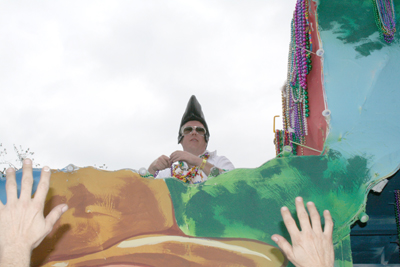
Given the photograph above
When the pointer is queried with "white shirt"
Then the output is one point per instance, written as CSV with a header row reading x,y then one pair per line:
x,y
220,162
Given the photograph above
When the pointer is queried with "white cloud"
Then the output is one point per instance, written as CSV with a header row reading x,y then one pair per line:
x,y
98,82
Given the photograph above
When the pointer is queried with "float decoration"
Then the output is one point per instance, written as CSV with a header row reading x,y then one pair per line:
x,y
295,103
385,19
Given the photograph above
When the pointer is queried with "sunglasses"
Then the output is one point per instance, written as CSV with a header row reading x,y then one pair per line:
x,y
188,129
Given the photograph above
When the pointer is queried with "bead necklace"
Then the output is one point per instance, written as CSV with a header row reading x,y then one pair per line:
x,y
295,103
283,138
277,142
283,107
385,19
178,170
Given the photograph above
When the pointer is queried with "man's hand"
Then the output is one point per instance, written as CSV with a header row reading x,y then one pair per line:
x,y
187,157
161,163
311,247
22,224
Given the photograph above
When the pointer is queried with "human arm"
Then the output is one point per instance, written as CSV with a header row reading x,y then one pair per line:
x,y
22,224
223,164
161,163
311,247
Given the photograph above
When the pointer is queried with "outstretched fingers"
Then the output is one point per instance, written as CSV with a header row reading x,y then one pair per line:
x,y
55,214
43,186
328,229
11,186
302,214
26,181
51,220
289,221
315,218
21,221
283,244
310,246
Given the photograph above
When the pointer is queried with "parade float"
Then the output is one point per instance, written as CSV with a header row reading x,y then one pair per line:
x,y
339,141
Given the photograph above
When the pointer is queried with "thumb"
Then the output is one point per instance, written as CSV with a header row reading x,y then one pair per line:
x,y
54,215
50,220
283,244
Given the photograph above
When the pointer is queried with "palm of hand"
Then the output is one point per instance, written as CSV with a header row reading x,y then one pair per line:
x,y
311,246
307,251
25,235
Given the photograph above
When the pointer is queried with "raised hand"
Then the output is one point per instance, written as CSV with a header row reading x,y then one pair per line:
x,y
311,246
22,224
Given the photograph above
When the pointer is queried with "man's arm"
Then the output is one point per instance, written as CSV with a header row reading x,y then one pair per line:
x,y
311,247
22,224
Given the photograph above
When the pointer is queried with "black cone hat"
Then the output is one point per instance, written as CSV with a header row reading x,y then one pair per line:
x,y
193,113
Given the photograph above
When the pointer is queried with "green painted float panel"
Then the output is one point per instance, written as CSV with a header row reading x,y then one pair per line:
x,y
362,91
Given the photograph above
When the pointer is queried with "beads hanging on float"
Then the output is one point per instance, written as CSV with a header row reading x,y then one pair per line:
x,y
282,139
385,19
295,99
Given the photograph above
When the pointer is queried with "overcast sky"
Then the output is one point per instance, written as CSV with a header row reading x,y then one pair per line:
x,y
107,82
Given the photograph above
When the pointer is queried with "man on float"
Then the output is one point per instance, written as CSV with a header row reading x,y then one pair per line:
x,y
194,164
